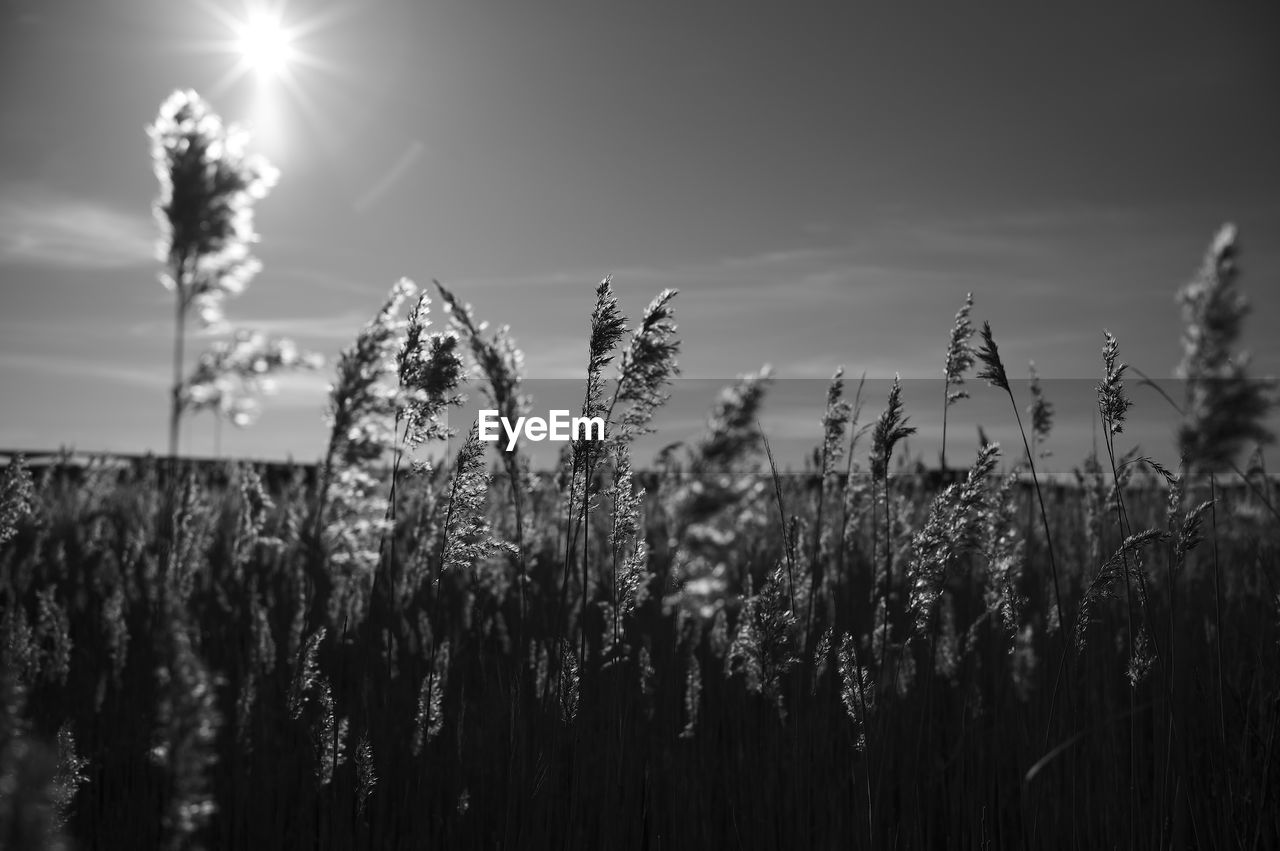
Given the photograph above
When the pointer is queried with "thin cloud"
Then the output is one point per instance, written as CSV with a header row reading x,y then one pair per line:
x,y
340,327
87,367
886,259
541,279
44,229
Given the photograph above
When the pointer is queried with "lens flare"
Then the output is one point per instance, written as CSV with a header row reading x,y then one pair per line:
x,y
264,43
274,49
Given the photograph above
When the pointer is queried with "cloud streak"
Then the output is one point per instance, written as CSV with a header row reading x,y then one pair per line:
x,y
994,252
41,228
74,367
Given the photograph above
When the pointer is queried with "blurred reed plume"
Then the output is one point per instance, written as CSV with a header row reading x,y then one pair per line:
x,y
228,378
1225,409
208,186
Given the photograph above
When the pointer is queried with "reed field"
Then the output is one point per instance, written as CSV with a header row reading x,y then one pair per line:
x,y
403,646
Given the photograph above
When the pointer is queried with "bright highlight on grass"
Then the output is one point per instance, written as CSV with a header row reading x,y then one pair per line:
x,y
264,43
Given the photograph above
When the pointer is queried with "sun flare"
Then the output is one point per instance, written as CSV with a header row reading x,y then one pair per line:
x,y
264,44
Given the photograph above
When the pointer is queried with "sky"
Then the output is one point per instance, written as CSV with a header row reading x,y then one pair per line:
x,y
822,182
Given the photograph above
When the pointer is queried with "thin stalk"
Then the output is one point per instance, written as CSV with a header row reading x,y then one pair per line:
x,y
1044,519
888,540
946,404
1266,772
1217,639
572,542
586,555
814,571
613,586
854,434
513,470
1057,595
782,514
866,735
179,353
570,539
571,532
435,591
1128,607
390,514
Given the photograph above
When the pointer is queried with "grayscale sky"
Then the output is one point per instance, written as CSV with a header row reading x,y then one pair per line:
x,y
823,182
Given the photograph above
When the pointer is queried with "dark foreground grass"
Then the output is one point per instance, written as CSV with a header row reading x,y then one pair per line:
x,y
718,719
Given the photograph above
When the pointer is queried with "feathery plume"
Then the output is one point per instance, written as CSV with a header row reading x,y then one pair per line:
x,y
947,650
502,364
430,371
351,515
69,778
1040,410
205,211
646,677
608,326
731,431
366,776
497,357
953,527
889,430
116,631
1103,584
569,684
1002,550
306,673
17,497
959,352
1112,401
1191,533
467,536
692,696
835,419
1141,658
960,357
328,734
208,185
821,657
231,374
52,636
992,367
430,718
627,539
1225,409
857,689
647,367
357,522
765,645
361,404
187,729
994,373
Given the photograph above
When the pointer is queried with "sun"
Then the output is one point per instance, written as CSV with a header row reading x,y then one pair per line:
x,y
277,50
264,44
